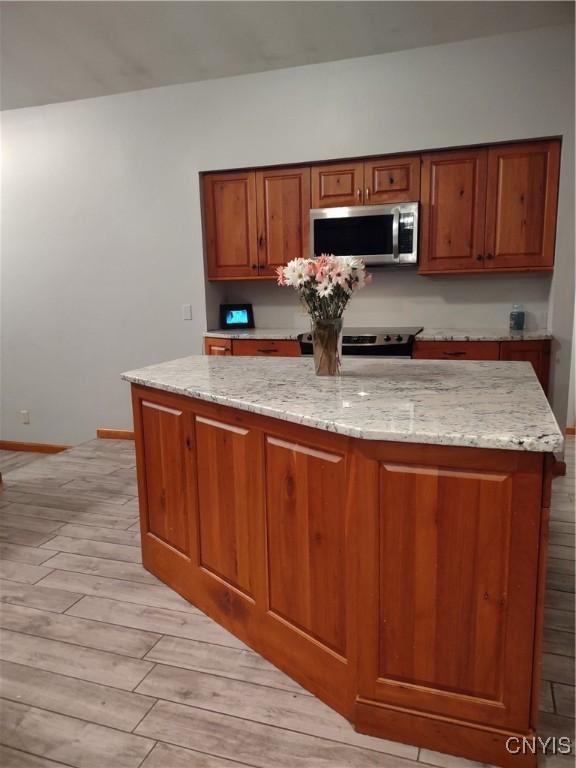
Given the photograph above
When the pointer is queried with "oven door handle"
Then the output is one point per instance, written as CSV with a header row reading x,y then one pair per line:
x,y
395,236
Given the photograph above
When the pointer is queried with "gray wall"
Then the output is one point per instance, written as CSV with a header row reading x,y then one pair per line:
x,y
102,241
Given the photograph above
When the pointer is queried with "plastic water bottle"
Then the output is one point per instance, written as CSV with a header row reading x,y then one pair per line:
x,y
517,317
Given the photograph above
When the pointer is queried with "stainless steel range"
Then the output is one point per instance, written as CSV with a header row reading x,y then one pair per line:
x,y
370,342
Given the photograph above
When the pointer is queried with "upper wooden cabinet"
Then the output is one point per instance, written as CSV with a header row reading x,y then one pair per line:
x,y
254,221
230,224
490,209
283,204
522,199
482,209
383,180
453,210
392,180
337,184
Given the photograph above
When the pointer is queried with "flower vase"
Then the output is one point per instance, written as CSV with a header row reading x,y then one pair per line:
x,y
327,345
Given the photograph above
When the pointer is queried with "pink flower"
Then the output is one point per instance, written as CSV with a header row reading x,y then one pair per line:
x,y
280,276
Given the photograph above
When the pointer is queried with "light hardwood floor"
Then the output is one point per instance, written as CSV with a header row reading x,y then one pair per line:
x,y
102,666
10,460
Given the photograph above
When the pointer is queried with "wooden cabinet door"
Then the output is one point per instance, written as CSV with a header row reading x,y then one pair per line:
x,y
306,525
266,347
392,180
521,211
167,482
165,435
535,352
283,204
214,346
337,184
229,484
450,606
456,350
230,224
453,198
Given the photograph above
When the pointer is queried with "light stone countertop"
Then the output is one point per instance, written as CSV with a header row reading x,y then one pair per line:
x,y
480,334
428,334
256,333
442,402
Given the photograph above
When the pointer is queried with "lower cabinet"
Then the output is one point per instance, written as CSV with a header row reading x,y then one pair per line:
x,y
250,525
252,347
443,619
536,352
456,350
398,583
218,347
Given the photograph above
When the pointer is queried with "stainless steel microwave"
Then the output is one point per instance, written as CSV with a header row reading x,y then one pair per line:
x,y
385,235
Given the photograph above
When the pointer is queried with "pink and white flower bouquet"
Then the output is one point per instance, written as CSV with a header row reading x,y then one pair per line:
x,y
326,284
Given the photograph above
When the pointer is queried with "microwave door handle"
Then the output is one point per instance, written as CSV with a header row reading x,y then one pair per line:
x,y
395,236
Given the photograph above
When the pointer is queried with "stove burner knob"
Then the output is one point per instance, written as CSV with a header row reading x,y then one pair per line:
x,y
398,338
387,338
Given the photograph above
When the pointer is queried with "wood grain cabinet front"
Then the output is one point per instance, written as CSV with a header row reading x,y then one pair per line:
x,y
402,584
230,227
490,209
456,350
536,352
394,179
255,221
217,346
483,209
283,205
266,347
390,179
522,197
252,347
453,205
448,617
337,184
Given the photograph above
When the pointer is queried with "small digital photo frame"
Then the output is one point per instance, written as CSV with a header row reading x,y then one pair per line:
x,y
236,316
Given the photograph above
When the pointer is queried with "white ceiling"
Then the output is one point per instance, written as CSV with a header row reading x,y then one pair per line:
x,y
60,51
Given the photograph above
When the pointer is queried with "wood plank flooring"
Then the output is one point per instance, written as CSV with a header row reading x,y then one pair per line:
x,y
103,666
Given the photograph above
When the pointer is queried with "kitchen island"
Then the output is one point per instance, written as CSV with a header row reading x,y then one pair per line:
x,y
380,537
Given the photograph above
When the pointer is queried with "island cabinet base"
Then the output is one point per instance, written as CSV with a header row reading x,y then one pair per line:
x,y
402,584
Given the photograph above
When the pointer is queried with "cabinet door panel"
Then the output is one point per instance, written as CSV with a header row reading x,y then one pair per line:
x,y
166,436
230,224
535,352
266,347
337,184
392,180
522,197
456,350
214,346
305,500
227,505
453,211
456,592
283,200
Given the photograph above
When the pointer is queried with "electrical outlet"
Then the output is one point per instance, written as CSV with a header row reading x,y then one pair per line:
x,y
186,311
25,417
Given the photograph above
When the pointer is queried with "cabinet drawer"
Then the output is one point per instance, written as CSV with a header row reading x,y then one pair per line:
x,y
456,350
266,347
216,346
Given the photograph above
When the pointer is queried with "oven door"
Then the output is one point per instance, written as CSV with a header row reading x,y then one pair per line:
x,y
385,235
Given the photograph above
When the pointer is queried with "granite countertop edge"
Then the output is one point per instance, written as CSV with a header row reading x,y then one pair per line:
x,y
526,435
427,334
